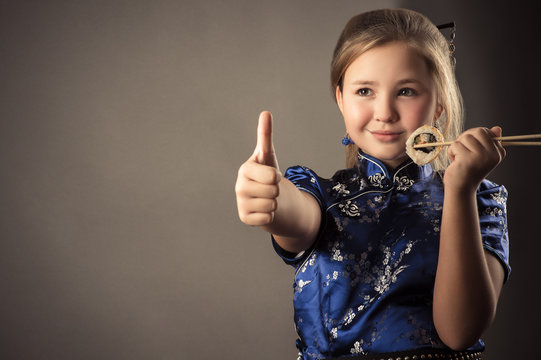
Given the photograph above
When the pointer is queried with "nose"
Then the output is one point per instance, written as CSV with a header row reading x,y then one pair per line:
x,y
384,109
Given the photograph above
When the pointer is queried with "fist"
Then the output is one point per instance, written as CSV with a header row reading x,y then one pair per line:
x,y
474,154
257,187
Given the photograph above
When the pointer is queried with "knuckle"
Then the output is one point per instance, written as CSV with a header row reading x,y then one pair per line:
x,y
243,217
242,170
275,191
240,188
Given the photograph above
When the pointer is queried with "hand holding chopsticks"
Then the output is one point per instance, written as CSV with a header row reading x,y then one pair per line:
x,y
506,141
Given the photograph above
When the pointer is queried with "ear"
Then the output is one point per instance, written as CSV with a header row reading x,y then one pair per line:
x,y
439,111
339,100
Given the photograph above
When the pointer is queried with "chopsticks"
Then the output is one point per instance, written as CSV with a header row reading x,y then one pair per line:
x,y
506,141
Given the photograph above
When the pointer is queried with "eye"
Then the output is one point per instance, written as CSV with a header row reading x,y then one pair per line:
x,y
407,92
365,92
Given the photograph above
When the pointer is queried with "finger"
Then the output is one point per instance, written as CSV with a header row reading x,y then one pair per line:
x,y
264,147
485,137
257,219
497,131
258,205
457,148
263,174
476,140
252,189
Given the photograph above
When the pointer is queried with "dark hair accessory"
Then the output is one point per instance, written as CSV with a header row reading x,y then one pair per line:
x,y
452,47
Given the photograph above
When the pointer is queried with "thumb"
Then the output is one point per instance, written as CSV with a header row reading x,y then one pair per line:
x,y
497,131
264,152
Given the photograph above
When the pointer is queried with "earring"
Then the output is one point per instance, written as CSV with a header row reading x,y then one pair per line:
x,y
346,140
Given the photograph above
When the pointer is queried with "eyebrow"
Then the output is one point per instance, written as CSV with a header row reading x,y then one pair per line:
x,y
409,81
400,82
363,82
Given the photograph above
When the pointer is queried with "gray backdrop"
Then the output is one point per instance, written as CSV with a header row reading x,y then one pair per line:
x,y
123,124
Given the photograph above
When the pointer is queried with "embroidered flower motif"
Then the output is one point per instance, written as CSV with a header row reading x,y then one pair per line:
x,y
334,333
350,208
403,183
500,197
362,184
335,250
334,277
310,262
493,211
376,180
338,223
336,255
301,284
357,348
349,317
341,189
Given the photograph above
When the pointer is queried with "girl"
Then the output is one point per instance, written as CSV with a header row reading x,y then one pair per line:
x,y
393,260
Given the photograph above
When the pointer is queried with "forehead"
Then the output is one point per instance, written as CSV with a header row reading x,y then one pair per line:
x,y
388,62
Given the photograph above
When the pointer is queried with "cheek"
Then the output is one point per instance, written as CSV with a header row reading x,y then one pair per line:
x,y
421,114
356,113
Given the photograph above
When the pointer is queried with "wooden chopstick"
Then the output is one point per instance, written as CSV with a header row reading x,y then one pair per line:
x,y
504,139
518,137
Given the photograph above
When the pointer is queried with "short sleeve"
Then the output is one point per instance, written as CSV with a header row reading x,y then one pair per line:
x,y
492,207
305,180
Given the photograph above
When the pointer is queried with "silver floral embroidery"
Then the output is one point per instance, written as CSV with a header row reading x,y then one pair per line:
x,y
338,223
493,211
301,284
500,197
335,250
357,348
376,180
349,317
335,275
336,255
349,208
310,262
362,184
403,183
341,189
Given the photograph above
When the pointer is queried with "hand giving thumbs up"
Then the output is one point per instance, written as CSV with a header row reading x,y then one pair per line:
x,y
257,181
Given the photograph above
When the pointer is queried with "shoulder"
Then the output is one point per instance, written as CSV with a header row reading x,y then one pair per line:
x,y
303,174
325,189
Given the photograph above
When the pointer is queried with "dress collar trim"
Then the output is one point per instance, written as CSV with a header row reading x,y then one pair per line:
x,y
373,167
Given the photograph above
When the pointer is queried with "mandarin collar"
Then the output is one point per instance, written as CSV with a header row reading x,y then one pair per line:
x,y
373,166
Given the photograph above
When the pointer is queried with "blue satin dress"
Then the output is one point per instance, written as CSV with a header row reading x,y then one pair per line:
x,y
366,285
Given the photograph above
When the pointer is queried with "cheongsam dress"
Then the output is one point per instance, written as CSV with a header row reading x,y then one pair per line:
x,y
366,285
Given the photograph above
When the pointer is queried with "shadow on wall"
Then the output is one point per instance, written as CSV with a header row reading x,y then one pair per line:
x,y
499,77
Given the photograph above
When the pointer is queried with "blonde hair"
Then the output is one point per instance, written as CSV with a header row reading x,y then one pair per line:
x,y
374,28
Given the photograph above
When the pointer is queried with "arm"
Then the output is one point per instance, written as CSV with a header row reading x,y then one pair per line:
x,y
468,279
267,200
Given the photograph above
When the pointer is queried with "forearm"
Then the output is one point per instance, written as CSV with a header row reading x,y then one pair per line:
x,y
464,296
296,219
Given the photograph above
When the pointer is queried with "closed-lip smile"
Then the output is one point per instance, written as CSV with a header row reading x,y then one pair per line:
x,y
386,135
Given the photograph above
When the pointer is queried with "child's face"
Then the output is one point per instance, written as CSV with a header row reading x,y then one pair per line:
x,y
388,92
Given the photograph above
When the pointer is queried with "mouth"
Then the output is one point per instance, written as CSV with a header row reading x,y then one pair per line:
x,y
386,136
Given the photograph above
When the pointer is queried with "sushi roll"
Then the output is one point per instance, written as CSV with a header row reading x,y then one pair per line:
x,y
424,135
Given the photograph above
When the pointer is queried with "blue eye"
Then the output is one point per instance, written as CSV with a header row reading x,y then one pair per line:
x,y
407,92
364,92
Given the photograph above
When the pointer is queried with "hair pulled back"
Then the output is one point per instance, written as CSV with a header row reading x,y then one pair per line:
x,y
374,28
